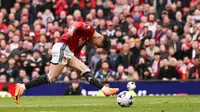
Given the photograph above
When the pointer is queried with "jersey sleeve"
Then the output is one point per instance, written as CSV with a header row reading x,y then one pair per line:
x,y
83,26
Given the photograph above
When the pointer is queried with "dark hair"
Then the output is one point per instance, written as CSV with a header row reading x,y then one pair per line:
x,y
106,43
157,53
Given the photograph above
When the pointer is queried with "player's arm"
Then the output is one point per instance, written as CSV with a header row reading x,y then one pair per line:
x,y
77,26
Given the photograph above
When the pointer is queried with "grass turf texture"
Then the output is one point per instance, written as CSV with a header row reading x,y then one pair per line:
x,y
101,104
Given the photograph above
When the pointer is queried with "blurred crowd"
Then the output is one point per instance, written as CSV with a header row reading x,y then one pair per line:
x,y
150,39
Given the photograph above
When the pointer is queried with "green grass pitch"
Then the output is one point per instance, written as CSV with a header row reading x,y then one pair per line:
x,y
101,104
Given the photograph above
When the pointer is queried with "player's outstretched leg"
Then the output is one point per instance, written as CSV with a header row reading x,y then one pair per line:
x,y
54,72
85,72
92,80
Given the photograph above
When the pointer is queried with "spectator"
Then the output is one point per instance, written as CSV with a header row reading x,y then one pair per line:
x,y
158,33
186,66
102,26
174,42
37,30
3,64
62,19
47,16
46,69
163,40
118,36
35,8
3,27
29,47
132,74
194,49
35,75
43,41
26,79
35,63
123,24
185,50
113,58
73,89
133,33
142,69
100,14
152,48
103,58
168,72
15,44
156,64
173,54
74,6
163,52
22,75
121,73
3,46
110,31
3,78
127,58
61,5
74,76
148,60
18,50
87,7
172,62
104,73
136,49
12,70
194,71
49,5
77,16
178,27
95,60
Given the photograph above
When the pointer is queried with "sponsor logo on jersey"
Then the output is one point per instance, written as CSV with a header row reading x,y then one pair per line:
x,y
81,42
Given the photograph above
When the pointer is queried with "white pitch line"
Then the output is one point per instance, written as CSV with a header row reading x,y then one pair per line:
x,y
160,102
68,105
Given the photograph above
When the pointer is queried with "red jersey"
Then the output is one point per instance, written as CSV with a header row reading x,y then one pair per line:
x,y
83,33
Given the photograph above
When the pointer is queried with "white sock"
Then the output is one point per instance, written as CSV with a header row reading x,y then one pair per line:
x,y
104,88
23,86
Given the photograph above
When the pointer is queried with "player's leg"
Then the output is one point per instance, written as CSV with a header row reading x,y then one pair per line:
x,y
56,68
54,72
85,72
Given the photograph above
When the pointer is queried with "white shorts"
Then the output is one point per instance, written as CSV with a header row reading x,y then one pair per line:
x,y
61,53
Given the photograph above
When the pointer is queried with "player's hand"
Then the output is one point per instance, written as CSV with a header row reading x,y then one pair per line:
x,y
70,33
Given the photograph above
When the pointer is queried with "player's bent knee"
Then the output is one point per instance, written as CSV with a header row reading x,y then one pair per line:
x,y
51,78
84,70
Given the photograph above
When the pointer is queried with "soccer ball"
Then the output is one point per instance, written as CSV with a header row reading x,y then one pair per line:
x,y
131,85
124,99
